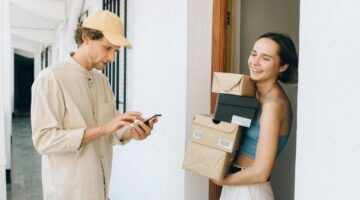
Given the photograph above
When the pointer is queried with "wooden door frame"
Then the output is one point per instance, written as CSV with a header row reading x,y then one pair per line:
x,y
218,61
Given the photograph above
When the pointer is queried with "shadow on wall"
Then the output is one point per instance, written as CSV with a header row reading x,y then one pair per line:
x,y
283,176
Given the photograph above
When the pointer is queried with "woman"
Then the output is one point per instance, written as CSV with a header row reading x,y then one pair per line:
x,y
272,59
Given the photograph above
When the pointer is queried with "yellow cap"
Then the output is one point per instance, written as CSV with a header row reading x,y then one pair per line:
x,y
110,25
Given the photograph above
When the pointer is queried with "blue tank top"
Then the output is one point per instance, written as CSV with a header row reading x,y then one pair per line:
x,y
250,140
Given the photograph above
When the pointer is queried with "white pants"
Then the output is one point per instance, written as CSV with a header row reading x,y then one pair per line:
x,y
261,191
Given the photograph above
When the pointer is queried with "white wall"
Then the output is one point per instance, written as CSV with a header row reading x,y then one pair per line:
x,y
37,64
65,31
92,5
327,164
157,67
198,81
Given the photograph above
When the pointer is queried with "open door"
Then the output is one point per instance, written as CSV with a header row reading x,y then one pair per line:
x,y
218,62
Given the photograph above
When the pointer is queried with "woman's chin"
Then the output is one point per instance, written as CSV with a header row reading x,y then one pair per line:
x,y
255,77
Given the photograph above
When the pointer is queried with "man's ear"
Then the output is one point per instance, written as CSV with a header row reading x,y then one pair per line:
x,y
283,68
85,39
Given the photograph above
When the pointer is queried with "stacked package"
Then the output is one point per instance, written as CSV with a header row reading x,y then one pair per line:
x,y
215,139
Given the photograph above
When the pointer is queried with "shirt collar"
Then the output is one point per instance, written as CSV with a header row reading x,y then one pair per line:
x,y
77,66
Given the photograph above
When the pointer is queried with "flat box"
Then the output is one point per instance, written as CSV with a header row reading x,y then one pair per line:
x,y
235,84
207,161
216,134
235,109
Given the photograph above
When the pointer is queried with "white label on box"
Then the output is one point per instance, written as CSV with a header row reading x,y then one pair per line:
x,y
197,134
224,143
241,121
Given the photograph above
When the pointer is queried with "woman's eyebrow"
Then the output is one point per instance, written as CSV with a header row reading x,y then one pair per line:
x,y
263,54
267,55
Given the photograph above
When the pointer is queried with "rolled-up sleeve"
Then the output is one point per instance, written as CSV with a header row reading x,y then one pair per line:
x,y
118,135
47,114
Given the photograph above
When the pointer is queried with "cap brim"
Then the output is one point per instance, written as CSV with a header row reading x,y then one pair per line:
x,y
118,40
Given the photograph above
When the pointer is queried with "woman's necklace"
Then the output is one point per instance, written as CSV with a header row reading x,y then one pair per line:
x,y
265,95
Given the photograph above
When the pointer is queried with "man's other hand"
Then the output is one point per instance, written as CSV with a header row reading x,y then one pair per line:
x,y
120,121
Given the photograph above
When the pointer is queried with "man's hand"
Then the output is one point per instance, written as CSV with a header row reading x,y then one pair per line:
x,y
92,133
120,121
140,130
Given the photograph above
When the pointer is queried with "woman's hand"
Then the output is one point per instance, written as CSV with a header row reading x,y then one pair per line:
x,y
219,183
224,181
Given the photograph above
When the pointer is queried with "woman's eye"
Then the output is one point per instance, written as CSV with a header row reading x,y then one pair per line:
x,y
253,54
267,59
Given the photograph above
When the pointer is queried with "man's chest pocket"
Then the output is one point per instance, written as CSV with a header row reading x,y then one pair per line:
x,y
106,112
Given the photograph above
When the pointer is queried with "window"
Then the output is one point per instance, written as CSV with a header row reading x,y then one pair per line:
x,y
116,71
45,57
83,16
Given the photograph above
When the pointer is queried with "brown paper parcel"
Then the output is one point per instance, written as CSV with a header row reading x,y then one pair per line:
x,y
207,161
220,135
235,84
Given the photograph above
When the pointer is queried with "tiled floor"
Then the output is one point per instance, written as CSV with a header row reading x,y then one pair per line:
x,y
25,164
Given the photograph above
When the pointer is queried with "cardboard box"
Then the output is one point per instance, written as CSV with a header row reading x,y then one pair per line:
x,y
236,109
212,147
207,161
235,84
219,135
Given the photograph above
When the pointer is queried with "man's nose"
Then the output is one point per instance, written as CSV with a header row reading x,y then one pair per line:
x,y
111,56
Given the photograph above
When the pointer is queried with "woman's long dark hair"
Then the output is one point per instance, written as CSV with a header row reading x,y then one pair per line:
x,y
287,54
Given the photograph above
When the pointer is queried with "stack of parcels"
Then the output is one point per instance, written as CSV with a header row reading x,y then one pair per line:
x,y
215,139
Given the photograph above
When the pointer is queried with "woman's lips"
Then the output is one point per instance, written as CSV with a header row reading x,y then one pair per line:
x,y
256,70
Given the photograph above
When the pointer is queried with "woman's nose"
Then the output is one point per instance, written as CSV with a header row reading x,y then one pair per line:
x,y
256,60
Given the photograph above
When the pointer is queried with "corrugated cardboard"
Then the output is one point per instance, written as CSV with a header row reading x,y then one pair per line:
x,y
235,84
207,161
236,109
220,135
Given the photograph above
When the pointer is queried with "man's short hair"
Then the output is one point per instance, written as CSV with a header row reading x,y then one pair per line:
x,y
82,31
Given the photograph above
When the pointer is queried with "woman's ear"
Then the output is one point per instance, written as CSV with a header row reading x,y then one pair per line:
x,y
283,68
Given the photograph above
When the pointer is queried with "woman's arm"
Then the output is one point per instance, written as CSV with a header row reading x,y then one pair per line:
x,y
270,125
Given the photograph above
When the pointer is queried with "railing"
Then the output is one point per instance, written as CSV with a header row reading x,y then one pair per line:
x,y
116,71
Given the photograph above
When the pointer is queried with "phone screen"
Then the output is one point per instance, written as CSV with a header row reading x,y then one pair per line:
x,y
146,121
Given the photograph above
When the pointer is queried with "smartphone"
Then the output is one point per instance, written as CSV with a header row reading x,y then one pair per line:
x,y
146,121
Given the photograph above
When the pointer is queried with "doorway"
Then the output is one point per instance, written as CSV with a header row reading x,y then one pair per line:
x,y
236,26
23,79
258,17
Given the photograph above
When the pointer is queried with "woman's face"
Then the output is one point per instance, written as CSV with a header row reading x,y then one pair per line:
x,y
264,61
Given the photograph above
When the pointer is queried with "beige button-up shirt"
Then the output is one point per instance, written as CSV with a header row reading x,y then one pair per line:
x,y
66,98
